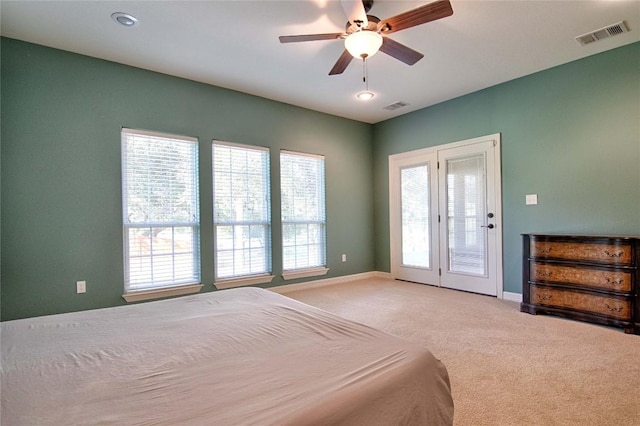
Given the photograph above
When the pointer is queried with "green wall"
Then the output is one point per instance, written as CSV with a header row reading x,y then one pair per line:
x,y
61,191
570,134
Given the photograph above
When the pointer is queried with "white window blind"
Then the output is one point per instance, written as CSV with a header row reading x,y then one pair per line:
x,y
160,210
466,205
303,211
241,211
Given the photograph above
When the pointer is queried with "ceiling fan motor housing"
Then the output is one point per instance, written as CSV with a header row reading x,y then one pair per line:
x,y
372,25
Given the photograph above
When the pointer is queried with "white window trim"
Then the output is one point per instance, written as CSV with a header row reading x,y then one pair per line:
x,y
245,281
304,273
303,154
142,295
177,288
292,274
241,145
260,278
159,134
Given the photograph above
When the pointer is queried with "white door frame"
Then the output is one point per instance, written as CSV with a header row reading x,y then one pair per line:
x,y
394,232
417,274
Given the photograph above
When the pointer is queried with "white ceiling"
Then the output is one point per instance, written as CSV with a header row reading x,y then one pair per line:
x,y
234,44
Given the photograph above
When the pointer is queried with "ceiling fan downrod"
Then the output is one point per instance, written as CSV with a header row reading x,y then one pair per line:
x,y
365,73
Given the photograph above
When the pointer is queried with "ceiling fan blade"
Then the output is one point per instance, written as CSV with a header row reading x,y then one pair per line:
x,y
421,15
355,11
310,37
343,62
400,51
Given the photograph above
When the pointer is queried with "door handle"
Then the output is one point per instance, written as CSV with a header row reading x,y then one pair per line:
x,y
490,226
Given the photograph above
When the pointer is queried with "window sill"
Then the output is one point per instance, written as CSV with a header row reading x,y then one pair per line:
x,y
239,282
141,295
304,273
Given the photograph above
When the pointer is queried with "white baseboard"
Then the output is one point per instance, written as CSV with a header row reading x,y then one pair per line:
x,y
283,289
379,274
512,297
286,288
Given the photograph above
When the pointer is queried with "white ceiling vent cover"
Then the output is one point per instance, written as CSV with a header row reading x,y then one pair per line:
x,y
606,32
396,105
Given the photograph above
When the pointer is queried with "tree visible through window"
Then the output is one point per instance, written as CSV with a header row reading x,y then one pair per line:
x,y
160,210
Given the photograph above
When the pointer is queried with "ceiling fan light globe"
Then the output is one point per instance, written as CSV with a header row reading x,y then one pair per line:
x,y
363,44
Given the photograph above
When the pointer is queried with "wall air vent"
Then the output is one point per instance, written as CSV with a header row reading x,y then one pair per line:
x,y
606,32
396,105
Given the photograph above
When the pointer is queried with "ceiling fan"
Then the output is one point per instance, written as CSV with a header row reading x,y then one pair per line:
x,y
366,34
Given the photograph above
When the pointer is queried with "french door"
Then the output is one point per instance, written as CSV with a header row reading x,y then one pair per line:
x,y
445,219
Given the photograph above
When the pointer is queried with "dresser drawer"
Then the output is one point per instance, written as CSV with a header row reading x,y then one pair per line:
x,y
618,254
613,307
610,280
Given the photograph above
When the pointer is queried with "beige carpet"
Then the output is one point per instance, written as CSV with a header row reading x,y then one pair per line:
x,y
506,367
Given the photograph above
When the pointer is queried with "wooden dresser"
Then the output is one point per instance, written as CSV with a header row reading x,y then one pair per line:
x,y
583,277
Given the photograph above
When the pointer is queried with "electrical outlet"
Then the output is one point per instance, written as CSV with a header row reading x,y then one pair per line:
x,y
531,199
344,257
81,287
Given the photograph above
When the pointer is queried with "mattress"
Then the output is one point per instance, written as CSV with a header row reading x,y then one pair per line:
x,y
233,357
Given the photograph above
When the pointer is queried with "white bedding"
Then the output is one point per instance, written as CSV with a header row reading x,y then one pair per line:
x,y
234,357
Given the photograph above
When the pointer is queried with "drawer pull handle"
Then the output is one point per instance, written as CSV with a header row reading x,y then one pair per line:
x,y
544,297
545,250
614,308
616,254
545,274
616,281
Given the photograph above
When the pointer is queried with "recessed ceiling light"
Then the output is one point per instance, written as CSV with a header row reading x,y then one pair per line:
x,y
365,96
124,19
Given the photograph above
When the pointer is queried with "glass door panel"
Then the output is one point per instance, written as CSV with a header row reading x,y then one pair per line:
x,y
466,212
415,198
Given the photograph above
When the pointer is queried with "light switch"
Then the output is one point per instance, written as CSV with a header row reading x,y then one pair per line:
x,y
81,287
531,199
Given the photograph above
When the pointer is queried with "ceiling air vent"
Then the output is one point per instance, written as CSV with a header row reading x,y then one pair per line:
x,y
606,32
396,105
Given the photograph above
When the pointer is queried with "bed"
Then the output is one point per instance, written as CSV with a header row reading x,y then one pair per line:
x,y
234,357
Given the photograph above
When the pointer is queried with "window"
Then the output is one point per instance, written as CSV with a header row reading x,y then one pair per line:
x,y
303,215
160,211
241,214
